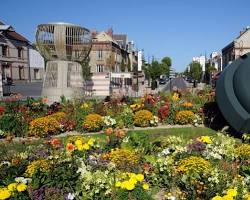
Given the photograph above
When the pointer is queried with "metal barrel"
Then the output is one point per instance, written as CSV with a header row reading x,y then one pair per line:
x,y
233,93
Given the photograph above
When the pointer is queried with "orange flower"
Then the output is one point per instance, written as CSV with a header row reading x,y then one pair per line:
x,y
45,100
120,133
55,142
70,147
109,131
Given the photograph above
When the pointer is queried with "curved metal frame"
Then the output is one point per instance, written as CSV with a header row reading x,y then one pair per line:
x,y
63,41
233,94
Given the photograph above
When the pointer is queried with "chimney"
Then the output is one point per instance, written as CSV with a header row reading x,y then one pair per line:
x,y
110,32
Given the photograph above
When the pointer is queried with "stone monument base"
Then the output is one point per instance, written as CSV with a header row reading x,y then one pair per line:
x,y
62,78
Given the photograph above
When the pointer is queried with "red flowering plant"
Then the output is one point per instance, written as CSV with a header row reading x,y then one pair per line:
x,y
114,137
2,109
163,111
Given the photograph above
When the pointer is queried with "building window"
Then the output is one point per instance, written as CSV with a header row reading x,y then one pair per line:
x,y
99,68
99,54
21,72
19,52
4,50
5,72
36,74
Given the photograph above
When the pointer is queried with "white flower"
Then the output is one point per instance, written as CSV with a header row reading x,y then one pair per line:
x,y
71,196
23,180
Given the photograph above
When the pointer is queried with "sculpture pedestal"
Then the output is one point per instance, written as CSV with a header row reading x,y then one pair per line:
x,y
62,78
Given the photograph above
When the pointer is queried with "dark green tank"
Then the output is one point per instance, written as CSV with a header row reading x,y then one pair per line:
x,y
233,93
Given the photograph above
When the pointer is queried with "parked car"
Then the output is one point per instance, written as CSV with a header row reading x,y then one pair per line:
x,y
162,81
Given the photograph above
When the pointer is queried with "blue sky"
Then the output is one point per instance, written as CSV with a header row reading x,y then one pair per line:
x,y
180,29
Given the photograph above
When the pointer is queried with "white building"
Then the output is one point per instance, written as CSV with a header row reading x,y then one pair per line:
x,y
201,60
36,62
216,60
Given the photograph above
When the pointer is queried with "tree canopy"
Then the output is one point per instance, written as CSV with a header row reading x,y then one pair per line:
x,y
195,70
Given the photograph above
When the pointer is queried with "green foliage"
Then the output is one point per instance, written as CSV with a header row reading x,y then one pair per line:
x,y
209,69
195,70
125,118
137,194
167,60
129,65
86,69
140,142
14,123
123,66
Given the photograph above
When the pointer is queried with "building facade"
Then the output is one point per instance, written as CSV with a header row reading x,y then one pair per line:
x,y
111,60
236,48
216,60
201,60
19,61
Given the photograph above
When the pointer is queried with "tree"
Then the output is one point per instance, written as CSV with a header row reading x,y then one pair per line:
x,y
86,73
167,60
195,70
129,65
110,61
208,72
123,66
166,64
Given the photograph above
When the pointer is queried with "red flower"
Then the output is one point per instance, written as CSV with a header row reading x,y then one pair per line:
x,y
70,147
55,142
109,131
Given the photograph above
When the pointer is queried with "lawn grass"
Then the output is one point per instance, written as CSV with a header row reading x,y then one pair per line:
x,y
185,133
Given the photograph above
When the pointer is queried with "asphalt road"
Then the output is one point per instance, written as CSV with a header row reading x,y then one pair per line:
x,y
25,89
176,84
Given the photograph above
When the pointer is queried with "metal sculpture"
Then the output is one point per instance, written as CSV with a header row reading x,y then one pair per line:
x,y
64,46
233,93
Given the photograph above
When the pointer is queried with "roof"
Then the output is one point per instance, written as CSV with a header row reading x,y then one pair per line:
x,y
230,45
5,27
121,39
15,36
243,32
2,40
10,33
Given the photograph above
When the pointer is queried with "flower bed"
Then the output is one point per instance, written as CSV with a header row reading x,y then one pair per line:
x,y
128,166
36,118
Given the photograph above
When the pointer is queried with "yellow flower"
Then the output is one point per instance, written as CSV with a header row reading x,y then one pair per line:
x,y
175,97
227,197
129,185
12,187
145,186
217,198
80,147
91,142
118,184
21,187
85,146
133,180
232,192
205,139
4,193
194,164
140,177
37,164
78,142
85,105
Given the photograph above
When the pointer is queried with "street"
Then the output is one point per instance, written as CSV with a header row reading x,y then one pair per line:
x,y
25,89
175,84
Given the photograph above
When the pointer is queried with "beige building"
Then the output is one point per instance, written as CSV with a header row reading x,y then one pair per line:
x,y
19,61
236,48
111,64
